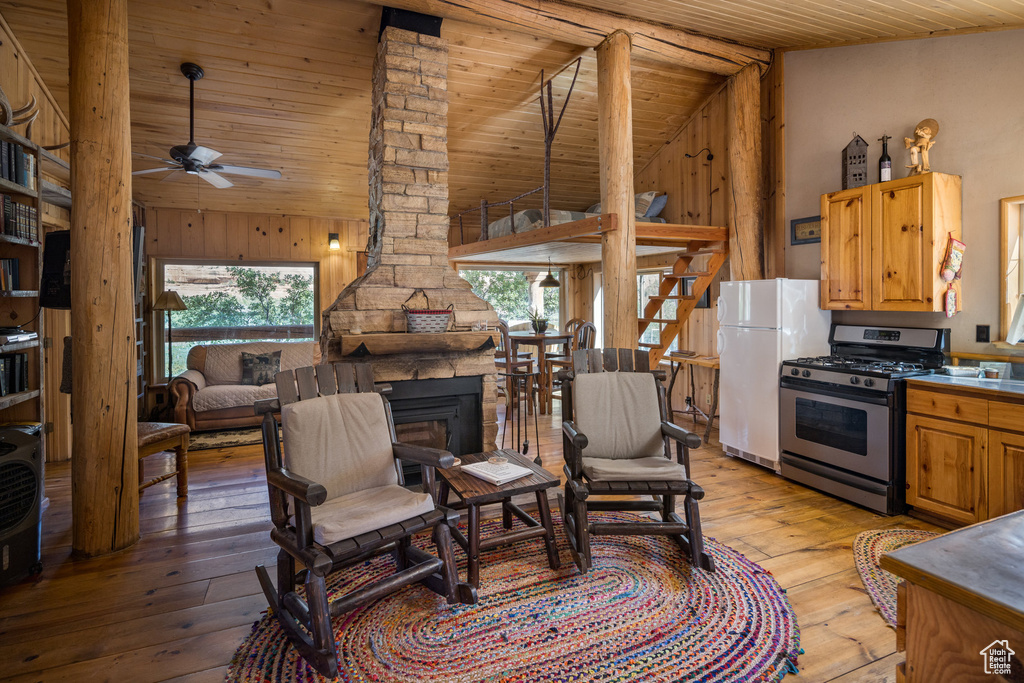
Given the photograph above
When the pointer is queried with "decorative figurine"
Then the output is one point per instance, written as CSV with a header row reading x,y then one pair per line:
x,y
855,163
924,138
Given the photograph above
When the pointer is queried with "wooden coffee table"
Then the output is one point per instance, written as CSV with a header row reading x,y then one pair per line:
x,y
474,492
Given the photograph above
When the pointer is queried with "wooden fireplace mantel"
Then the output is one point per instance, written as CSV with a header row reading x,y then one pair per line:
x,y
392,343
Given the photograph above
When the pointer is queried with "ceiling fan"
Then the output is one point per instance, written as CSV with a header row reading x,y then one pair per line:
x,y
198,160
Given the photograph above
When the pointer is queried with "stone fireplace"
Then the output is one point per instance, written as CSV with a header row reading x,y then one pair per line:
x,y
407,262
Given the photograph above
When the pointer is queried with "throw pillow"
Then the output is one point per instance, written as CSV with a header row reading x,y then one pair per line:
x,y
643,202
596,208
657,206
260,368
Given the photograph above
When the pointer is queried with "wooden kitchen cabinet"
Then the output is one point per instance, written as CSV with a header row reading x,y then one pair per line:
x,y
946,468
965,451
1006,472
882,245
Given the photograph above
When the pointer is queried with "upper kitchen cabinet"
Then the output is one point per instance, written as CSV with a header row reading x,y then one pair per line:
x,y
882,245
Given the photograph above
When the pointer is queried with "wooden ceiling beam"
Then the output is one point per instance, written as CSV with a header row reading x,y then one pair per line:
x,y
579,25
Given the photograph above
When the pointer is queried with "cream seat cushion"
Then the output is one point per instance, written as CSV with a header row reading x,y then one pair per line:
x,y
654,468
219,396
366,510
619,414
342,442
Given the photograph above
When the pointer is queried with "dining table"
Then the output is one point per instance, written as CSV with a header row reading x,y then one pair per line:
x,y
540,340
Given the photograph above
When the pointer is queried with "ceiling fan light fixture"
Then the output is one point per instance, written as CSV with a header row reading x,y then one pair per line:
x,y
550,281
333,243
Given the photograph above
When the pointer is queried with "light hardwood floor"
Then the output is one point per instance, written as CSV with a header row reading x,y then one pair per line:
x,y
177,604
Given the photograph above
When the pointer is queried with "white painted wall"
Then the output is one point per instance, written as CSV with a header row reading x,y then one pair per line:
x,y
973,85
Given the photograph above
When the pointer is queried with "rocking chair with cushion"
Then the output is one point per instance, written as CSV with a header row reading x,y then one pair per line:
x,y
616,442
336,499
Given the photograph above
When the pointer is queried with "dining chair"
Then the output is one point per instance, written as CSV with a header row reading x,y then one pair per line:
x,y
585,337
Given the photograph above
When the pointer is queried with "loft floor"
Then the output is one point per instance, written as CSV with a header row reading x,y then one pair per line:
x,y
177,604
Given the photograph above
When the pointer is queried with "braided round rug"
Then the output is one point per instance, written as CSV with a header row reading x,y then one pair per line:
x,y
641,614
868,547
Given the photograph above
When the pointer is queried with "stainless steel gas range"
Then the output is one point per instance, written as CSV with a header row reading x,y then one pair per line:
x,y
842,417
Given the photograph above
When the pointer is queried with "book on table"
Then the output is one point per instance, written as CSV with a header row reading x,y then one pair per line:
x,y
496,473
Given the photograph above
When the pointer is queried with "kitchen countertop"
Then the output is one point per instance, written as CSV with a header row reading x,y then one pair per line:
x,y
996,386
980,566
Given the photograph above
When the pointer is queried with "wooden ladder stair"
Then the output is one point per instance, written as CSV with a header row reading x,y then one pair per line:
x,y
672,289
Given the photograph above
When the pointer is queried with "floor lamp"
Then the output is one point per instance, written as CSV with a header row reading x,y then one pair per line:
x,y
169,301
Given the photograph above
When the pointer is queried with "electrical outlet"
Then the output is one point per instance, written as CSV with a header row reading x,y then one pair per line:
x,y
707,399
981,335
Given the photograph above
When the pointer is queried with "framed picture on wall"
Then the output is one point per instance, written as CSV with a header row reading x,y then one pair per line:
x,y
805,230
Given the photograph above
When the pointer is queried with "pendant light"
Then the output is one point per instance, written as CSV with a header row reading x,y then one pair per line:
x,y
550,280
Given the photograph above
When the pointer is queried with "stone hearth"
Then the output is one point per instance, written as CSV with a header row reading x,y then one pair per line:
x,y
407,263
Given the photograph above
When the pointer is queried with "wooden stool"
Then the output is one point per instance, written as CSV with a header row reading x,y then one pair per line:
x,y
157,437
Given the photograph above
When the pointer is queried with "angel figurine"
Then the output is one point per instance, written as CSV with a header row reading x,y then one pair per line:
x,y
919,145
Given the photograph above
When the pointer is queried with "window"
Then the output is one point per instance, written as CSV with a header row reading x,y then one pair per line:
x,y
514,293
1011,305
230,303
647,285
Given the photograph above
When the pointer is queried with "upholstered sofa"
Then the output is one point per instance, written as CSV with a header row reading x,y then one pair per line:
x,y
210,393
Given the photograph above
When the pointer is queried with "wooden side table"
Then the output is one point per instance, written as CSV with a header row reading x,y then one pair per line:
x,y
474,493
678,361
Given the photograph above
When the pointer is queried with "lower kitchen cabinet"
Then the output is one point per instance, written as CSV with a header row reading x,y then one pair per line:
x,y
1006,472
965,453
946,468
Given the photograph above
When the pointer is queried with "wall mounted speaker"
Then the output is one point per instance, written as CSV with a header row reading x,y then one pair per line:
x,y
55,282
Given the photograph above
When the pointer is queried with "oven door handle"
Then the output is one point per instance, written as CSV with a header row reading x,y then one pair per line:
x,y
835,393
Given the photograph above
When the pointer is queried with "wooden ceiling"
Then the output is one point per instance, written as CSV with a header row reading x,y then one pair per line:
x,y
812,23
288,81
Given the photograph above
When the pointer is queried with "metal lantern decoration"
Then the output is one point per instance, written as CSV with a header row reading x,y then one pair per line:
x,y
855,163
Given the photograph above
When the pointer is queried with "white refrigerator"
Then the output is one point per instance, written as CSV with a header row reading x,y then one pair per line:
x,y
762,323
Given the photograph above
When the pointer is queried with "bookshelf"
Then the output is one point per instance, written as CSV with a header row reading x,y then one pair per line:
x,y
20,237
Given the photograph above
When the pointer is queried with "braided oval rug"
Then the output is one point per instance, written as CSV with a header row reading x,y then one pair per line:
x,y
641,614
868,548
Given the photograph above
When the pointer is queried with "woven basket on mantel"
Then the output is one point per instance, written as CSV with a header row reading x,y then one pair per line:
x,y
428,319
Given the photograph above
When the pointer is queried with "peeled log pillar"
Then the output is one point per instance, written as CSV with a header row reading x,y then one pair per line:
x,y
615,140
746,222
104,463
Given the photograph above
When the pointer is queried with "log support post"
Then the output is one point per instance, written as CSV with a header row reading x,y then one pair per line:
x,y
104,480
746,220
615,140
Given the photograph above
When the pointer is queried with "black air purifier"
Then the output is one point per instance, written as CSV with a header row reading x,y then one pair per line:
x,y
20,505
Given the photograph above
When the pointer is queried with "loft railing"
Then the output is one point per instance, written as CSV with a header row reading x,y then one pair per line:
x,y
484,206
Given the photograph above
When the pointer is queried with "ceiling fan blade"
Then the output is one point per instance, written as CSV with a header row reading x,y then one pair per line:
x,y
204,155
153,170
214,179
150,156
173,174
247,170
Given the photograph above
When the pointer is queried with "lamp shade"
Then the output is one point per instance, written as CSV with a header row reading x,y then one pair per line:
x,y
333,243
550,280
169,301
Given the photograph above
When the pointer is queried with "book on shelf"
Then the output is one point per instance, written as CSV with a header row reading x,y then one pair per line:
x,y
13,373
10,275
496,473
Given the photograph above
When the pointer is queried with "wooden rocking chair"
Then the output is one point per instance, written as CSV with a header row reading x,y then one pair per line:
x,y
616,442
336,499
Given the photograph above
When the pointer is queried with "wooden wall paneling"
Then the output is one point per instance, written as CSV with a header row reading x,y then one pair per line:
x,y
259,243
277,231
215,236
193,234
299,247
237,236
